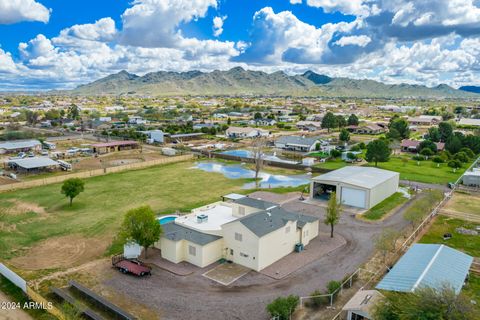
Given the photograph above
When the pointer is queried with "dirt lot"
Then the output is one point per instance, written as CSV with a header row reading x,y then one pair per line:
x,y
61,252
196,297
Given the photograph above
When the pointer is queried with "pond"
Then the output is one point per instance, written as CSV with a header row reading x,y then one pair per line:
x,y
249,154
239,171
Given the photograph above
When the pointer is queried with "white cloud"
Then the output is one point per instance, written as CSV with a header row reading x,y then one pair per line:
x,y
13,11
218,25
354,7
102,30
360,41
295,1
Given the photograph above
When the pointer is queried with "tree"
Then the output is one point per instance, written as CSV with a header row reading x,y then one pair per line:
x,y
453,144
229,121
424,303
329,121
455,164
344,135
401,126
427,144
385,242
378,151
283,307
257,116
352,120
73,112
257,149
427,152
141,226
461,156
31,117
341,122
333,212
434,134
72,188
446,131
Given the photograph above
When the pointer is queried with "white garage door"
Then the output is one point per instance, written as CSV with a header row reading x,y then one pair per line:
x,y
353,197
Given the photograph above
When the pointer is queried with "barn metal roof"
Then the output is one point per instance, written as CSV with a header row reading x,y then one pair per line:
x,y
428,265
364,177
36,162
14,145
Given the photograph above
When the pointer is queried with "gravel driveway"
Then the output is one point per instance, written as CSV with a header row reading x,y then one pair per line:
x,y
196,297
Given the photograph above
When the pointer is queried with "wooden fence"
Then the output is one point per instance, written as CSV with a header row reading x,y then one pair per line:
x,y
93,173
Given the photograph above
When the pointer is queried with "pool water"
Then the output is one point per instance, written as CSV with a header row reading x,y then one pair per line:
x,y
249,154
166,219
237,171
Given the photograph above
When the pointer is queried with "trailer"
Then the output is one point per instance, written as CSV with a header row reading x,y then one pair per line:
x,y
133,266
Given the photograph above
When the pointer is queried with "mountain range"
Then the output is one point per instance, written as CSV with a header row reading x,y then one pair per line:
x,y
238,81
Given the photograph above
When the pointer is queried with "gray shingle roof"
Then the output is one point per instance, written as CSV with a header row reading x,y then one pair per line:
x,y
175,232
297,140
264,222
255,203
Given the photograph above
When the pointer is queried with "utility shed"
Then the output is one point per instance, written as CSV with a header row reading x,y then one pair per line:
x,y
428,265
472,178
359,307
361,187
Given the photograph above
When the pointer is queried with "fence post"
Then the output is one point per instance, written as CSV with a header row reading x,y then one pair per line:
x,y
331,299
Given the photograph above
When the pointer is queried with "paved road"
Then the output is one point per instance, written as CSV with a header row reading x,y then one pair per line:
x,y
195,297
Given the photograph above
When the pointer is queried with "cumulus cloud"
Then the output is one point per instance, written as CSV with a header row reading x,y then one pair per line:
x,y
13,11
295,1
102,30
352,7
360,41
218,25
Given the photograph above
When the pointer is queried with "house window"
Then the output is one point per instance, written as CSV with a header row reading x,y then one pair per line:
x,y
241,211
287,229
238,236
192,250
243,255
231,252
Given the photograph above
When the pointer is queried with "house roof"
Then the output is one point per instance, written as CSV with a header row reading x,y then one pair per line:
x,y
469,122
13,145
175,232
255,203
407,143
264,222
35,162
297,140
363,300
364,177
428,265
114,144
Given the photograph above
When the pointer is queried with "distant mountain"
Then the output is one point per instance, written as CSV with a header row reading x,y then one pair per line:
x,y
238,81
473,89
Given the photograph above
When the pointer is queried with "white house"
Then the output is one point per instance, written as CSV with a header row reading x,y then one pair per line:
x,y
297,143
154,136
247,231
245,132
309,125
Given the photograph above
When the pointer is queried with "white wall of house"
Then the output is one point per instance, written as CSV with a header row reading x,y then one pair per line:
x,y
277,244
245,251
171,250
307,233
383,190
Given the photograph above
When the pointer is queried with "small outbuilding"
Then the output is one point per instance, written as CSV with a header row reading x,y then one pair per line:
x,y
34,164
361,187
114,146
360,306
472,178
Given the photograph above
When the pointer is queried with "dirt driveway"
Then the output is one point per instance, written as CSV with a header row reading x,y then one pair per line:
x,y
196,297
12,314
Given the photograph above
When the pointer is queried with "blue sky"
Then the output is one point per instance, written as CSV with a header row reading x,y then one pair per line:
x,y
47,44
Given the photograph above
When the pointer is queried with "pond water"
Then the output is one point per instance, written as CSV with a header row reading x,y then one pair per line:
x,y
249,154
238,171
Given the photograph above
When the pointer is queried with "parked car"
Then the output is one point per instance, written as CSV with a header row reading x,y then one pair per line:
x,y
31,154
21,155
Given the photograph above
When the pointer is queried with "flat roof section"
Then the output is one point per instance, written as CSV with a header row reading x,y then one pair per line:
x,y
217,214
115,144
364,177
36,162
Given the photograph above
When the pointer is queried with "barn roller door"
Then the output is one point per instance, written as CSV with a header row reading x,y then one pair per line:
x,y
354,197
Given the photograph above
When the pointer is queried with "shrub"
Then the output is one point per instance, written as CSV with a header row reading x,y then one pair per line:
x,y
454,164
418,158
317,301
468,152
426,152
283,307
438,159
355,148
335,153
332,287
461,156
362,145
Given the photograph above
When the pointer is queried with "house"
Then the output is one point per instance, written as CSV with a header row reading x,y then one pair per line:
x,y
367,129
113,146
105,119
245,132
285,118
250,232
20,146
360,306
428,265
136,120
263,122
296,143
408,145
424,120
154,136
469,122
309,125
200,126
361,187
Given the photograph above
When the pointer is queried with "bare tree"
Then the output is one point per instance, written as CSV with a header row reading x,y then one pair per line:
x,y
385,242
258,147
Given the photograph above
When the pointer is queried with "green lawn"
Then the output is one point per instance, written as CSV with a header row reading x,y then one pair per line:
x,y
332,164
384,207
467,243
99,210
472,290
423,171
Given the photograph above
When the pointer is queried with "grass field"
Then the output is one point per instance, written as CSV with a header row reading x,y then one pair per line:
x,y
467,243
472,290
461,202
37,214
332,164
384,207
424,171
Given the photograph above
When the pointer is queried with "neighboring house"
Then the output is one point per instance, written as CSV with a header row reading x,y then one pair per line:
x,y
245,132
315,117
309,125
105,119
136,120
361,187
263,122
247,231
296,143
424,120
408,145
428,265
469,122
285,119
154,136
200,126
367,129
20,146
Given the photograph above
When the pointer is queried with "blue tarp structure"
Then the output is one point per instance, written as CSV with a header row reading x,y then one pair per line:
x,y
428,265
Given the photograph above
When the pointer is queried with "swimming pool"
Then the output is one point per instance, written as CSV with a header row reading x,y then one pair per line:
x,y
249,154
166,219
